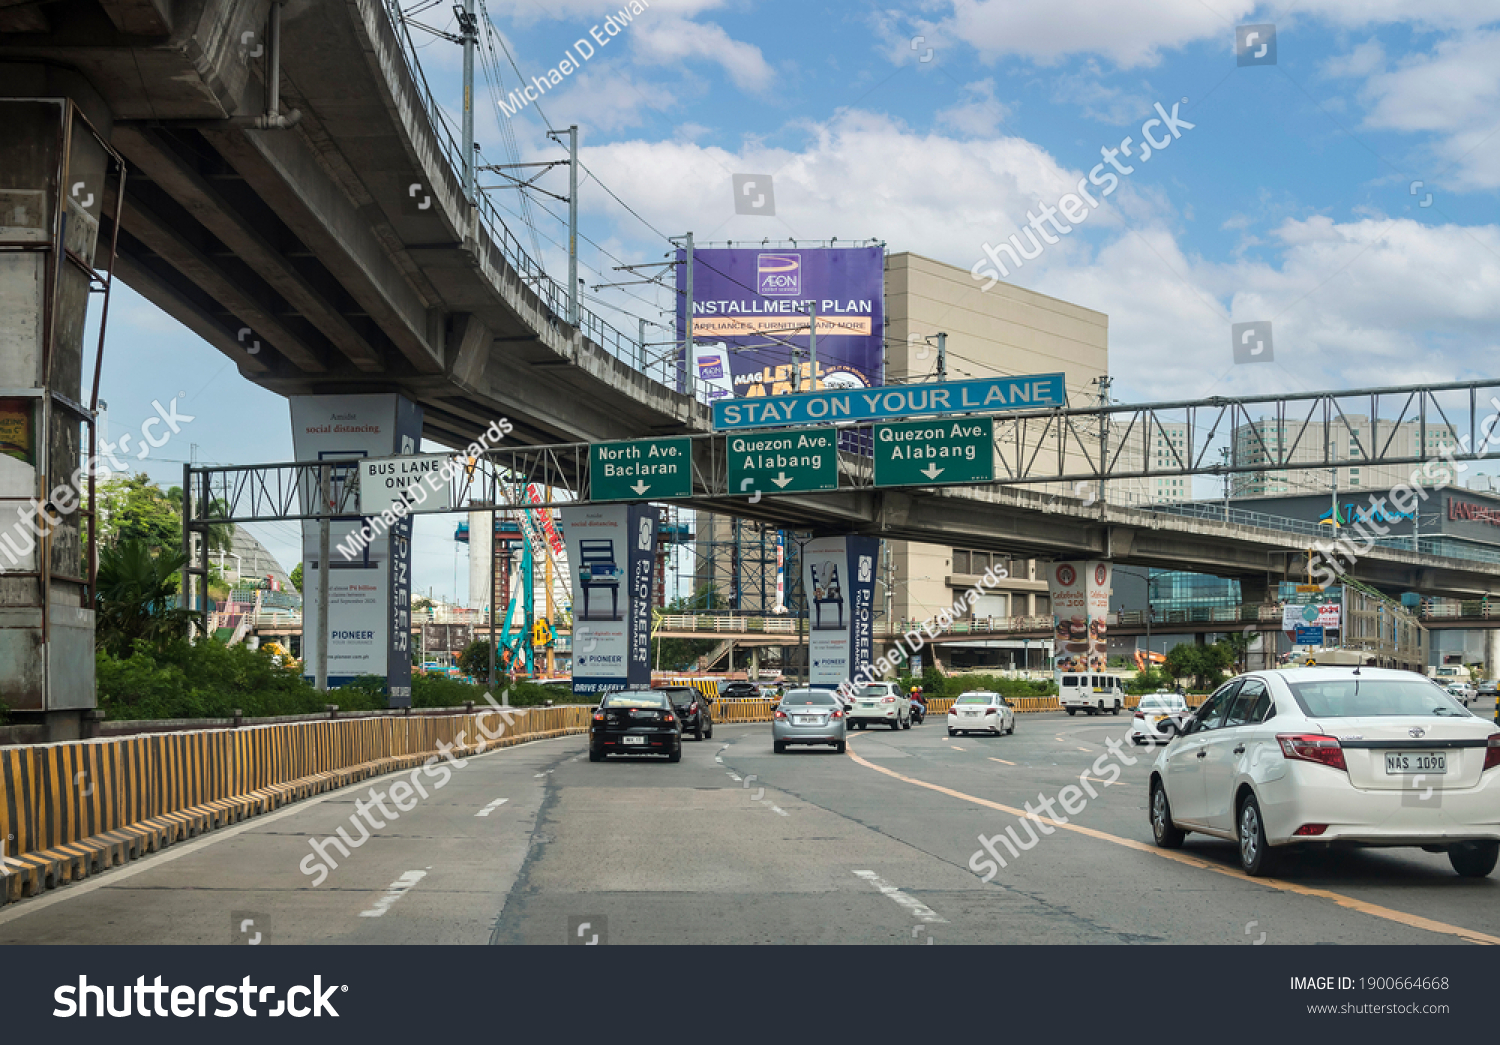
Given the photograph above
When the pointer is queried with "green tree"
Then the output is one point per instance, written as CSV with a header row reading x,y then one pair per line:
x,y
1204,665
474,661
683,654
220,536
137,597
296,576
133,508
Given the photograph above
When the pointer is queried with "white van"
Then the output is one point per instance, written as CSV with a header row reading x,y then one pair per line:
x,y
1091,692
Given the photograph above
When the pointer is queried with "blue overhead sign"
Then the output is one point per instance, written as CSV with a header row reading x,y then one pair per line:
x,y
986,395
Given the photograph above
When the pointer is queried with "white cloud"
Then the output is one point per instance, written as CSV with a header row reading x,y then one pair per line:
x,y
613,99
1452,92
676,39
979,114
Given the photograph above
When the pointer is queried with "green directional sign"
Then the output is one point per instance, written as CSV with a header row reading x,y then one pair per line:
x,y
931,453
641,470
784,462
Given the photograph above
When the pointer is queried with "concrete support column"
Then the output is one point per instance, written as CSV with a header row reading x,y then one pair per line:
x,y
55,176
1492,653
754,663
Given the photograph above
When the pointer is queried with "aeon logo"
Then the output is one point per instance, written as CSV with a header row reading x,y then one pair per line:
x,y
778,274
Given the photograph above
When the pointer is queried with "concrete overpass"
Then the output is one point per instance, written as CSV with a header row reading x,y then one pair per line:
x,y
305,255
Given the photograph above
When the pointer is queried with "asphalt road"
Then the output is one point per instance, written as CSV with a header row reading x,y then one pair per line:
x,y
738,845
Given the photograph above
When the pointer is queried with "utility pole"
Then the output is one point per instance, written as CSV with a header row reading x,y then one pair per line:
x,y
1104,381
468,27
942,367
320,663
812,348
689,356
572,222
641,359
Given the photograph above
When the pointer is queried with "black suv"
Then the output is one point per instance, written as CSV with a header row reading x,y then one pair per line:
x,y
740,691
692,710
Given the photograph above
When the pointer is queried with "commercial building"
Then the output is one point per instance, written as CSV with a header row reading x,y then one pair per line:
x,y
1352,436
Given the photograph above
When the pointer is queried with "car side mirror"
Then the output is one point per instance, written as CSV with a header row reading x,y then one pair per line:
x,y
708,700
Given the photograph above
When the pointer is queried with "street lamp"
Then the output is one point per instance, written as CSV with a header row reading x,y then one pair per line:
x,y
802,540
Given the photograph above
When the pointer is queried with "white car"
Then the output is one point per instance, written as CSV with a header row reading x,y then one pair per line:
x,y
981,711
1321,756
1158,718
1462,691
880,703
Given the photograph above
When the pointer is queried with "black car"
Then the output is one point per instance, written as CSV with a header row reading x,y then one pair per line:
x,y
692,710
740,691
636,722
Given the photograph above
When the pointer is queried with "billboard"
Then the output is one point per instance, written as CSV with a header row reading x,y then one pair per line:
x,y
369,595
838,578
612,556
1080,608
750,307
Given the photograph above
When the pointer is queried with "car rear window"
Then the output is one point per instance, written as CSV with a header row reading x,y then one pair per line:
x,y
635,700
1374,698
808,696
974,698
874,691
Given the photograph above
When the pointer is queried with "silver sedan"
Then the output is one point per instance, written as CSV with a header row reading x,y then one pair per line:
x,y
809,716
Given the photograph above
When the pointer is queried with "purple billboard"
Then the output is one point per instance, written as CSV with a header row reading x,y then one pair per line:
x,y
750,307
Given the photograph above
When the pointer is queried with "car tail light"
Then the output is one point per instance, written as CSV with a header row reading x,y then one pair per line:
x,y
953,710
693,707
598,716
1310,830
888,700
1139,713
669,718
780,713
1313,747
837,713
989,711
1492,753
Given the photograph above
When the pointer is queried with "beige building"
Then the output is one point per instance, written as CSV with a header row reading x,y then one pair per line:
x,y
1263,441
1004,331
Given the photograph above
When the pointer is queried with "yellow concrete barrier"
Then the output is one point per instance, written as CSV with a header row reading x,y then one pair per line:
x,y
67,810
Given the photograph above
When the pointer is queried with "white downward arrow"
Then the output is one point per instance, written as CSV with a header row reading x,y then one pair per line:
x,y
781,479
932,471
640,488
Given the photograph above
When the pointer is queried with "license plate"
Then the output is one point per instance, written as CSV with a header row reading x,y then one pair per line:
x,y
971,714
806,720
1435,762
867,704
632,740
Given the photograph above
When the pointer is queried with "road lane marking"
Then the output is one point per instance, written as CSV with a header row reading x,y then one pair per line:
x,y
911,903
496,804
994,759
778,809
1085,750
956,748
1106,783
398,889
1414,921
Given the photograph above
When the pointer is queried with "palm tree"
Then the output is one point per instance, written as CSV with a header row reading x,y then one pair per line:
x,y
218,536
136,596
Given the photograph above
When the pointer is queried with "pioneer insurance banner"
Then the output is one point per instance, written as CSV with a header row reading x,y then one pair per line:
x,y
838,577
369,594
749,305
612,555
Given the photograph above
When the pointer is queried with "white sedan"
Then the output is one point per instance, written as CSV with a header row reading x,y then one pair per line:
x,y
1324,756
981,711
1158,718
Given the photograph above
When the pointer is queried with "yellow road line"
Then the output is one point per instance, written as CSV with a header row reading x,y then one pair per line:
x,y
993,759
1106,783
1084,750
957,748
1414,921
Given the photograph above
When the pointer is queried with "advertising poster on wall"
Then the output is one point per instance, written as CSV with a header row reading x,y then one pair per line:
x,y
1080,606
838,577
750,309
612,552
369,594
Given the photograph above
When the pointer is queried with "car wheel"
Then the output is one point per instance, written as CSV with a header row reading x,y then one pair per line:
x,y
675,756
1117,708
1474,859
907,724
841,746
1256,856
1137,741
1072,712
779,747
953,732
896,723
595,756
710,733
1012,730
1166,833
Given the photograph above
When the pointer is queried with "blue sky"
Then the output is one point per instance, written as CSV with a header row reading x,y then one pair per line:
x,y
1290,200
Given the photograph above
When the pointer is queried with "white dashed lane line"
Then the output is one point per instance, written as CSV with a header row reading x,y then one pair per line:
x,y
398,889
917,908
496,804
